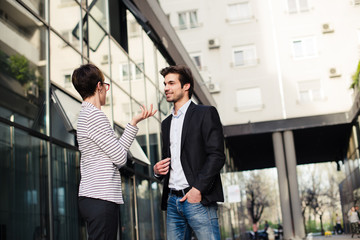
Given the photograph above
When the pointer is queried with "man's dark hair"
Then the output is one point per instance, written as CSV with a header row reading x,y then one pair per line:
x,y
185,75
85,79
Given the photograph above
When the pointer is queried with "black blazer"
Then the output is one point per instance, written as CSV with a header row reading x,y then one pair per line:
x,y
202,152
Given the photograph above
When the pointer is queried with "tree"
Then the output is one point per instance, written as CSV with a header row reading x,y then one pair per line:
x,y
257,196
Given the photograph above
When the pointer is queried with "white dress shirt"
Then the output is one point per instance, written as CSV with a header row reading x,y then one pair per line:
x,y
177,177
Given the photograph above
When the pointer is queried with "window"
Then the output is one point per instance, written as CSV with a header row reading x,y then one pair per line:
x,y
196,57
309,91
244,56
188,19
134,72
239,12
67,79
134,29
295,6
304,48
249,99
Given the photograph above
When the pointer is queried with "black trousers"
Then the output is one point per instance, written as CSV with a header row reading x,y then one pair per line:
x,y
101,216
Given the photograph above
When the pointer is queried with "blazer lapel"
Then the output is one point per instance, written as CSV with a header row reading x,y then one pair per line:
x,y
186,123
167,135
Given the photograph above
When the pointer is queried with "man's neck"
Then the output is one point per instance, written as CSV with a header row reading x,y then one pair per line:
x,y
179,104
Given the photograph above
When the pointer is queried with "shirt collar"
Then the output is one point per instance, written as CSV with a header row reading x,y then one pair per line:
x,y
87,104
182,110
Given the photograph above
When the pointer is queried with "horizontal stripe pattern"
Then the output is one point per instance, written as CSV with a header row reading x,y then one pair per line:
x,y
102,154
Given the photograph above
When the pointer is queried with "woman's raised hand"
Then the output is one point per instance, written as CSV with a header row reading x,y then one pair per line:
x,y
145,113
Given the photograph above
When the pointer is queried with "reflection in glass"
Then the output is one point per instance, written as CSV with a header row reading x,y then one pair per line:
x,y
65,25
159,223
121,106
22,68
144,208
149,58
134,39
98,12
119,59
63,61
23,184
66,176
127,210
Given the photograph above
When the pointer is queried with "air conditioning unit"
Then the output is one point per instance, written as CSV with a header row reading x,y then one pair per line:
x,y
327,28
213,87
105,59
33,90
214,43
334,73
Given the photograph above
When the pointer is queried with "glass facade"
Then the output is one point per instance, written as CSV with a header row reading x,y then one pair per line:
x,y
41,43
350,187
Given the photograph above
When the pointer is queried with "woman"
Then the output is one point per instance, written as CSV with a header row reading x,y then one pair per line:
x,y
354,221
102,154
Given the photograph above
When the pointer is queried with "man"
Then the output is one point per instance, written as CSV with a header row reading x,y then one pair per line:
x,y
193,152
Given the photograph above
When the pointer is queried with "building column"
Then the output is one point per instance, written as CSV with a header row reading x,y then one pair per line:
x,y
283,184
290,156
285,160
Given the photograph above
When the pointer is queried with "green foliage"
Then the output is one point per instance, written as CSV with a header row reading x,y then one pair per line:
x,y
20,69
355,77
311,226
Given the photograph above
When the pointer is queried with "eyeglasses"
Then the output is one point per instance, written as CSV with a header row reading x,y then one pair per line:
x,y
107,86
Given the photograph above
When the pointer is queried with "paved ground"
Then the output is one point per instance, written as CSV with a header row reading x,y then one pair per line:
x,y
333,237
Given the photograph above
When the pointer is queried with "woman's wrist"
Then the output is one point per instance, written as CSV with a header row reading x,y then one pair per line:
x,y
133,122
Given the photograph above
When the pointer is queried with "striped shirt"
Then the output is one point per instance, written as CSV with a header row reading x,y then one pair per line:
x,y
102,154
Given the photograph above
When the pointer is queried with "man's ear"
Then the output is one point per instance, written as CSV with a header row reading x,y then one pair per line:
x,y
186,86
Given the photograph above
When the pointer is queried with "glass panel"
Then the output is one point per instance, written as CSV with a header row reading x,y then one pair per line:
x,y
243,10
149,58
98,12
135,41
122,108
161,63
309,47
138,86
249,98
99,47
38,6
164,106
107,107
298,49
250,56
127,210
193,19
63,61
144,208
292,6
153,123
119,67
303,4
159,224
22,68
182,20
239,58
66,25
66,178
141,125
23,184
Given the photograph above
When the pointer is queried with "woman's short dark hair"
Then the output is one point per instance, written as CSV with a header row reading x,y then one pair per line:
x,y
85,79
185,75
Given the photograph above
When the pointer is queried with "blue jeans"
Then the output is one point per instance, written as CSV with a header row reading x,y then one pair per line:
x,y
184,216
